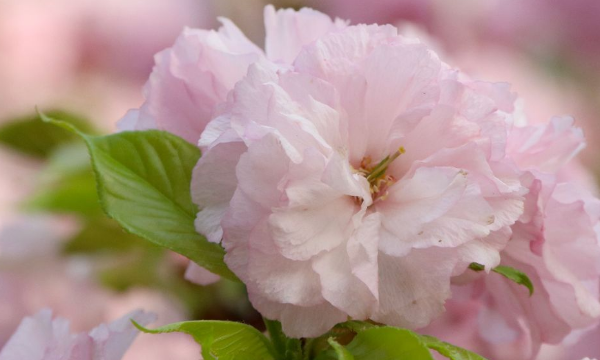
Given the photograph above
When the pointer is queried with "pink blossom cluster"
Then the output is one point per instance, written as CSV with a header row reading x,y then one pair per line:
x,y
543,26
350,173
42,338
34,276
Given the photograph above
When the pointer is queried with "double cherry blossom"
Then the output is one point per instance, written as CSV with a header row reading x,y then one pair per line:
x,y
350,173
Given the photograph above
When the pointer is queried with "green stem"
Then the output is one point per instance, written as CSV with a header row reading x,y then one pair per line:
x,y
308,346
277,336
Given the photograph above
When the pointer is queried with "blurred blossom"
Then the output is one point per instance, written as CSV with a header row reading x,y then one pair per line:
x,y
85,55
540,25
571,27
16,181
175,346
42,337
123,36
34,276
172,346
381,12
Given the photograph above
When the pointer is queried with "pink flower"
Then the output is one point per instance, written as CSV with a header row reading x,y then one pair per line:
x,y
348,172
192,77
584,343
175,346
42,338
542,96
338,187
555,242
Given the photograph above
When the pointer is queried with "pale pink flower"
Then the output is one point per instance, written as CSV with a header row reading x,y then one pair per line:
x,y
283,179
349,172
577,345
556,245
174,346
555,242
192,77
541,96
42,338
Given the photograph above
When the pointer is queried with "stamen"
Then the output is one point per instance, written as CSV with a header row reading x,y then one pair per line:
x,y
379,182
380,169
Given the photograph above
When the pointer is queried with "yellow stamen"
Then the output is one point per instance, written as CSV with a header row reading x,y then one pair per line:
x,y
379,182
380,169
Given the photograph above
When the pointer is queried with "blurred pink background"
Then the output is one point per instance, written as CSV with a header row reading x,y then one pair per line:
x,y
93,57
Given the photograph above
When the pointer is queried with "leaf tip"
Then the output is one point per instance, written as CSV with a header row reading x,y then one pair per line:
x,y
60,123
141,328
529,286
515,275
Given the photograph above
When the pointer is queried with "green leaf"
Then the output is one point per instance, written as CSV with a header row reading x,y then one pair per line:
x,y
476,266
515,275
38,139
448,350
143,181
341,352
223,340
508,272
388,343
384,343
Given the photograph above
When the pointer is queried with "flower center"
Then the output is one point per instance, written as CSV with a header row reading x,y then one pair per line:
x,y
378,180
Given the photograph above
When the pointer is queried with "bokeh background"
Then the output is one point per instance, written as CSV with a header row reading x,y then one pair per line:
x,y
88,60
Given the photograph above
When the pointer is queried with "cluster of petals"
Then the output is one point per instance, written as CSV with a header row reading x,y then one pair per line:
x,y
555,242
346,170
40,337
